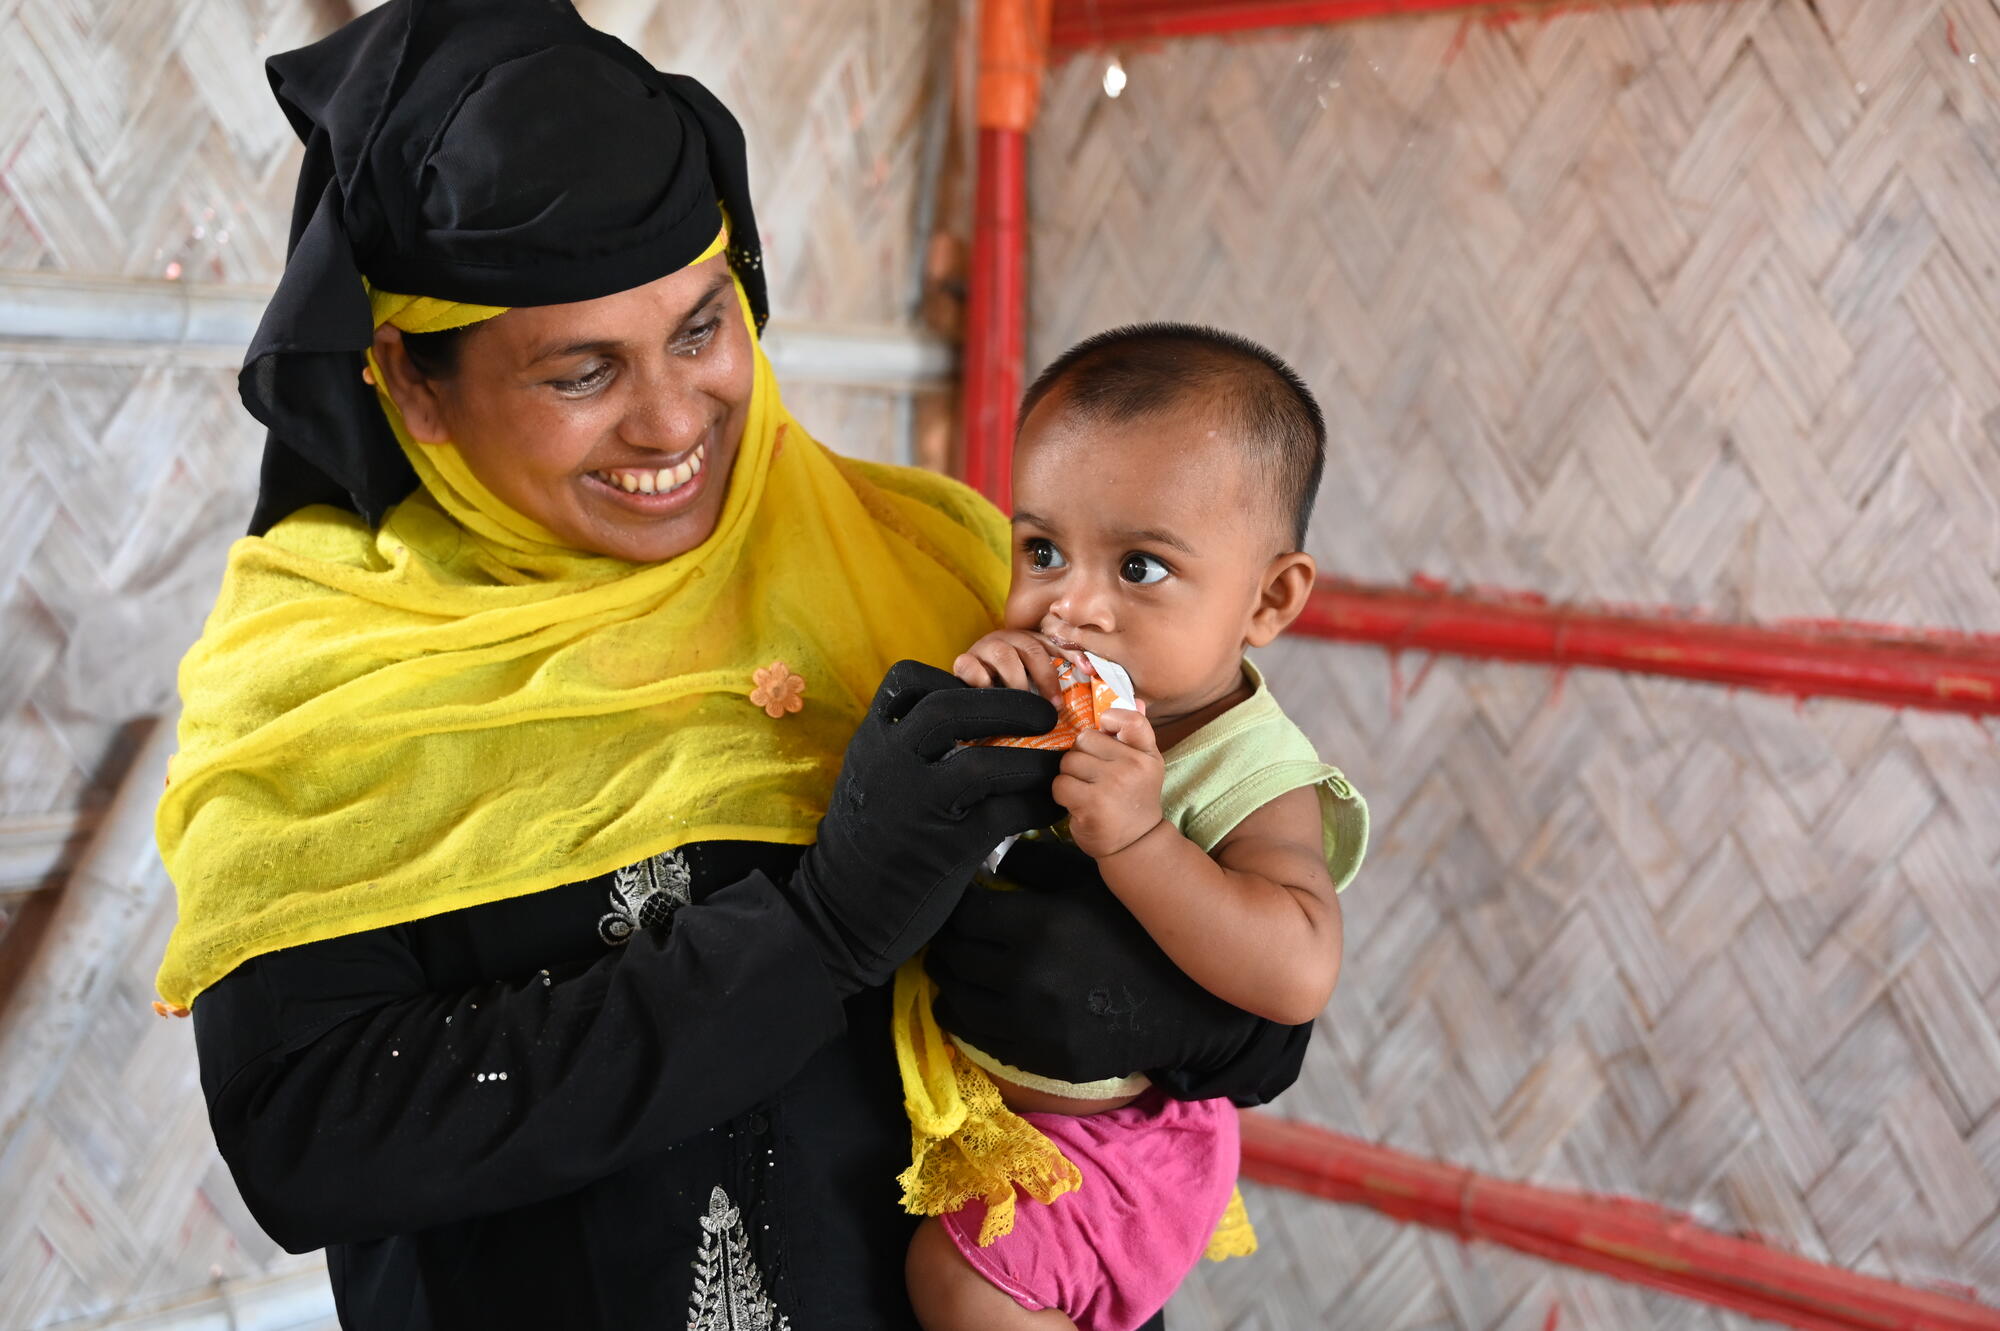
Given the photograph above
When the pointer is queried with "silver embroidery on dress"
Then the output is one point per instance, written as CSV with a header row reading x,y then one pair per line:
x,y
728,1289
645,894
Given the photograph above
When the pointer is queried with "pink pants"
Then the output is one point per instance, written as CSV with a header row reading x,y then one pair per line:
x,y
1157,1175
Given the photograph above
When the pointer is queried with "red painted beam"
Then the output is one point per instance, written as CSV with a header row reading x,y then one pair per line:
x,y
1619,1237
1941,671
995,334
1013,51
1081,24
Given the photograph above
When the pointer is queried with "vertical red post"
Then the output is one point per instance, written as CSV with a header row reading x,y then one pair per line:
x,y
995,338
1013,42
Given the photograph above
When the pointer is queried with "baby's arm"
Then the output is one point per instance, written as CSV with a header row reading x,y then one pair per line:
x,y
1257,925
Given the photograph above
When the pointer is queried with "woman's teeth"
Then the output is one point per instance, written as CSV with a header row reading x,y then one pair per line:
x,y
635,481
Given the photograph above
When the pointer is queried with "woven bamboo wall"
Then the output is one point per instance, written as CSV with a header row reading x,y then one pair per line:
x,y
1690,304
140,138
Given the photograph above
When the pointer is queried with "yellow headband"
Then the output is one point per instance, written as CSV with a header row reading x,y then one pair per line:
x,y
427,314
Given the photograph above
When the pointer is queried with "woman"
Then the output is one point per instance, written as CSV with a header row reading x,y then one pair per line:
x,y
534,950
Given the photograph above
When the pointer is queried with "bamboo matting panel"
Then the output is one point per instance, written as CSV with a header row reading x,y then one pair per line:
x,y
115,1192
1691,304
141,139
834,99
1711,949
136,140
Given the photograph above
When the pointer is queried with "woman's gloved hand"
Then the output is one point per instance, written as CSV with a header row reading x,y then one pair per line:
x,y
1060,979
912,815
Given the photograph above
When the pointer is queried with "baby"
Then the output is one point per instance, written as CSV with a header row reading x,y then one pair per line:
x,y
1163,479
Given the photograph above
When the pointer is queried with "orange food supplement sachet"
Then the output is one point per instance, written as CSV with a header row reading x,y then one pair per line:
x,y
1084,701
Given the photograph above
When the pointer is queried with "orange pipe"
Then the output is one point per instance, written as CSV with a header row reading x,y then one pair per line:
x,y
1013,51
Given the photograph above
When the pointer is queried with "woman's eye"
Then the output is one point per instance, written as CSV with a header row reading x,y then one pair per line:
x,y
1044,555
692,341
1142,569
584,383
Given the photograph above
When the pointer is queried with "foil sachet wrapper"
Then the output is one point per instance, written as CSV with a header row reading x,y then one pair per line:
x,y
1082,705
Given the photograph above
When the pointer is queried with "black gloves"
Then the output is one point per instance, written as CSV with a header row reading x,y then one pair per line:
x,y
1060,979
912,816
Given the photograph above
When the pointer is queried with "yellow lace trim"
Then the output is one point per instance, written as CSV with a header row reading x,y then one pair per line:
x,y
992,1152
1233,1235
965,1142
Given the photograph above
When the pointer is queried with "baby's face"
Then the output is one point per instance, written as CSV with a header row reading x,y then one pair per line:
x,y
1146,543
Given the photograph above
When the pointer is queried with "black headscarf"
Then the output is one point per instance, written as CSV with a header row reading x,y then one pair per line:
x,y
499,152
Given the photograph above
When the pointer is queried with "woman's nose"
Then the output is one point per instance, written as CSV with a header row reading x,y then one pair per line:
x,y
664,417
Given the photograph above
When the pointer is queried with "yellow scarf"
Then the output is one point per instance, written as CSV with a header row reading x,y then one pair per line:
x,y
383,725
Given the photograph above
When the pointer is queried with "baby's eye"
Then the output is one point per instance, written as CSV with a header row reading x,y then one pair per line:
x,y
1142,569
1043,554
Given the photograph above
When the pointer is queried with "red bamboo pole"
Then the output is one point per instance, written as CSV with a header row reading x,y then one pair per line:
x,y
1629,1240
1935,670
1080,24
1013,47
995,335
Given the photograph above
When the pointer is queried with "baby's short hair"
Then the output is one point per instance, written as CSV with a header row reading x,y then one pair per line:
x,y
1128,373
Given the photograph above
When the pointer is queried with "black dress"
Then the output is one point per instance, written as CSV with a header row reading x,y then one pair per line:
x,y
631,1102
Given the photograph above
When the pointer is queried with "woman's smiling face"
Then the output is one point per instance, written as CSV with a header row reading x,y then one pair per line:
x,y
615,423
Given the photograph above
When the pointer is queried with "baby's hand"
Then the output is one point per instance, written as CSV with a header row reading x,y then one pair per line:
x,y
1012,659
1110,783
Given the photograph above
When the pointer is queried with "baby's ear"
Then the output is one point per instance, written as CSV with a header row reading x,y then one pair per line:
x,y
1288,581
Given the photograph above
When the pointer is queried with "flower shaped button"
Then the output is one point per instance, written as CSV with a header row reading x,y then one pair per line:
x,y
778,691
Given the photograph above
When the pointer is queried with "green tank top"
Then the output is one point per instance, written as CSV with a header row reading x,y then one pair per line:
x,y
1244,759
